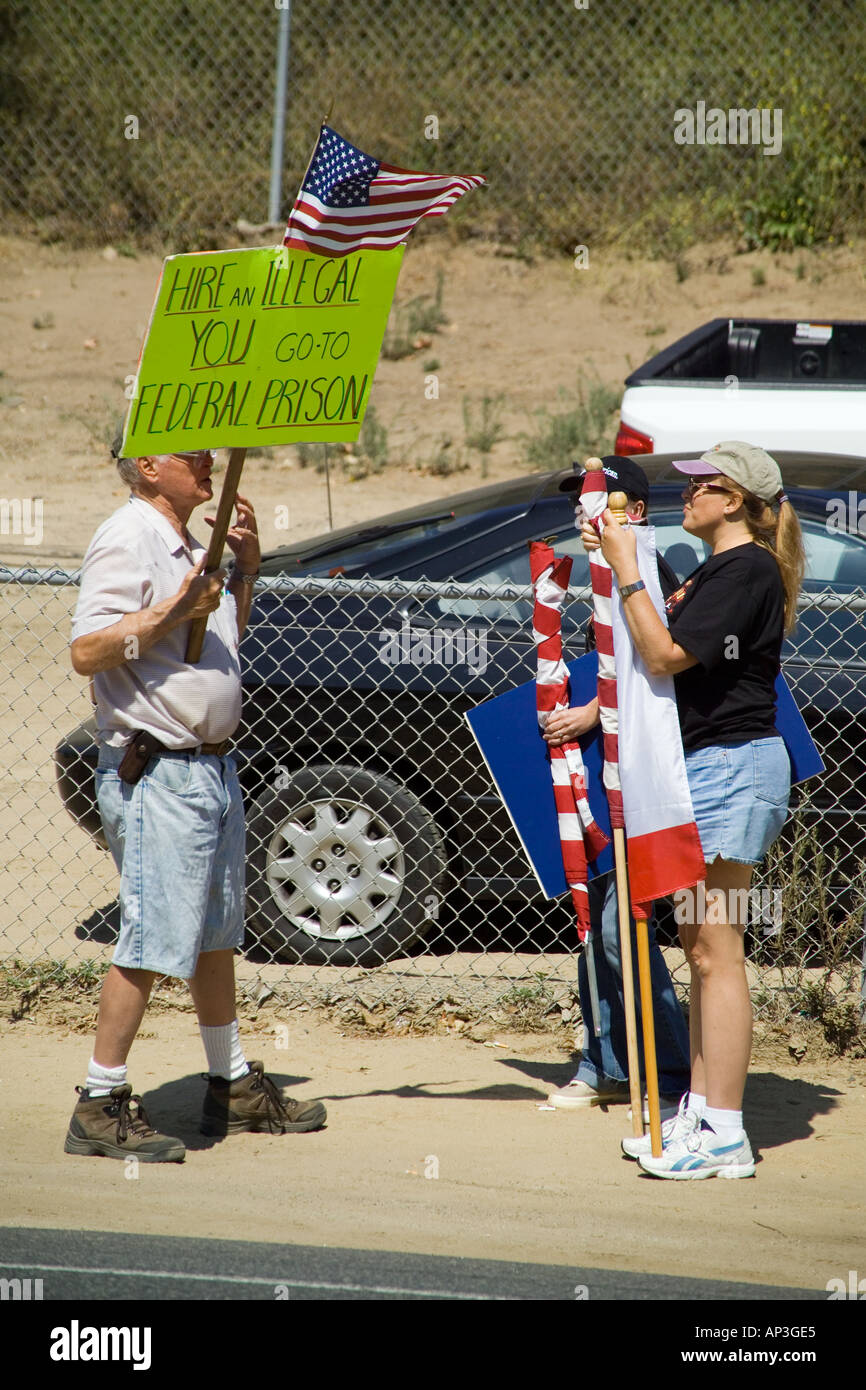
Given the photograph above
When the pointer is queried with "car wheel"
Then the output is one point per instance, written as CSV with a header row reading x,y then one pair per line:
x,y
345,867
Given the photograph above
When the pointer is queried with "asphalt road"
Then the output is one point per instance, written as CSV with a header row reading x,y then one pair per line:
x,y
100,1265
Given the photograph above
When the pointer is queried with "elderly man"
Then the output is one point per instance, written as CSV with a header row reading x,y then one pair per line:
x,y
169,798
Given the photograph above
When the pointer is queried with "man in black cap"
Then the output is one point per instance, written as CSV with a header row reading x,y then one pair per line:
x,y
602,1076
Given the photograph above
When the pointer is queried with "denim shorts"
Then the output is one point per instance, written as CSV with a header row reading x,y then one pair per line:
x,y
740,794
177,838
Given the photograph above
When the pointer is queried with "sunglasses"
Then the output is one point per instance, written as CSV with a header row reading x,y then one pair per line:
x,y
195,456
696,485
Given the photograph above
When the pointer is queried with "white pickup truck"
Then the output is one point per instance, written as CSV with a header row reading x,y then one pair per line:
x,y
779,383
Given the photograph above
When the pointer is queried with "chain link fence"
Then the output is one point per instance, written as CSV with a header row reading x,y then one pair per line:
x,y
382,870
590,119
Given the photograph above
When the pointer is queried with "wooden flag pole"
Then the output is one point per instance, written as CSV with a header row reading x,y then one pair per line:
x,y
221,525
617,504
649,1035
625,956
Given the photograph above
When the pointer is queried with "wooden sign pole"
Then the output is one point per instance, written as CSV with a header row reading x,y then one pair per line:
x,y
221,525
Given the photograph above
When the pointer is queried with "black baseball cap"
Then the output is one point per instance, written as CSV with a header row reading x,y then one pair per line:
x,y
620,474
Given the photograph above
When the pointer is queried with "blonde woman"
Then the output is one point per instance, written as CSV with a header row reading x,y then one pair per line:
x,y
722,645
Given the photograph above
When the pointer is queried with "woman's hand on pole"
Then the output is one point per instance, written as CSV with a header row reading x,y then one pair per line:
x,y
618,545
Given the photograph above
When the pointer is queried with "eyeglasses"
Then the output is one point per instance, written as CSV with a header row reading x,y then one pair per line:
x,y
195,457
695,485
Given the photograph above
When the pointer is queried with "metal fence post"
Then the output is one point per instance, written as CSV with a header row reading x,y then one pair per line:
x,y
277,138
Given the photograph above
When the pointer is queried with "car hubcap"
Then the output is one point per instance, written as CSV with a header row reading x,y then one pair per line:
x,y
335,869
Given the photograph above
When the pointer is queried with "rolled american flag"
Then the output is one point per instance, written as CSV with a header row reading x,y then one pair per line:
x,y
580,836
593,498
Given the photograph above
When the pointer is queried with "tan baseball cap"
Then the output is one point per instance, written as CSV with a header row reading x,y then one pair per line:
x,y
746,464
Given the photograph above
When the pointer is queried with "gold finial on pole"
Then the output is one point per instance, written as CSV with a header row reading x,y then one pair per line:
x,y
617,501
593,465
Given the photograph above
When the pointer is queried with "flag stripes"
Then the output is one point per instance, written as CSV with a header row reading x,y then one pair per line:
x,y
580,836
349,201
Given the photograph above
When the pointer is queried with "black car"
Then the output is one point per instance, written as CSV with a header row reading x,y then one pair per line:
x,y
367,802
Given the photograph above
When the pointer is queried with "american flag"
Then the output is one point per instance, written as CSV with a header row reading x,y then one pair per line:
x,y
644,765
580,836
349,200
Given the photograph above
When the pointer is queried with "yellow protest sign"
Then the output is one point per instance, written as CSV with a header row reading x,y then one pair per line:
x,y
259,347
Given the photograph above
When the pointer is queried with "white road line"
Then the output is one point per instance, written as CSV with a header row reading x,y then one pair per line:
x,y
239,1279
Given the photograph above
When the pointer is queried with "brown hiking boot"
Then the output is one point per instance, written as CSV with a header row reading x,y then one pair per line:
x,y
253,1102
108,1126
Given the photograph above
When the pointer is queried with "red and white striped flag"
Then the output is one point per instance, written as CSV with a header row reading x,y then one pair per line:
x,y
580,835
349,200
644,764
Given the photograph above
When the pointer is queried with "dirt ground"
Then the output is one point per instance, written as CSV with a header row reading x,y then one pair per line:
x,y
437,1145
73,322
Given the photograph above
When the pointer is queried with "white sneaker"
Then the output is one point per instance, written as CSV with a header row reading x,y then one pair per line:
x,y
681,1124
702,1154
579,1094
668,1109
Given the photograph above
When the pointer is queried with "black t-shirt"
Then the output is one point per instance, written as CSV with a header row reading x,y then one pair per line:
x,y
729,614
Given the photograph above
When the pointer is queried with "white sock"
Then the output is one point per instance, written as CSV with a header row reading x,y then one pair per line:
x,y
697,1104
102,1080
225,1056
727,1124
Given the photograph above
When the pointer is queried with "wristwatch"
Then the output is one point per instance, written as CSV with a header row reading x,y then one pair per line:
x,y
244,578
632,588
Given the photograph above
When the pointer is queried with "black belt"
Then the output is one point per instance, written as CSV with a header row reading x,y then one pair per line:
x,y
216,750
144,746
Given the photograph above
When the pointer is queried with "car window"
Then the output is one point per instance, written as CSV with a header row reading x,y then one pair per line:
x,y
833,557
510,568
513,568
681,551
360,551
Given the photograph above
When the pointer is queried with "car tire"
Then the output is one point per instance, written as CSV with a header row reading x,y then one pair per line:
x,y
345,867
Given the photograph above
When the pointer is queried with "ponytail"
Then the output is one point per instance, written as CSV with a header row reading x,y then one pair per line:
x,y
781,535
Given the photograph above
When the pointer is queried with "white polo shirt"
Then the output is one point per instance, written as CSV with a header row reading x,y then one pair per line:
x,y
135,560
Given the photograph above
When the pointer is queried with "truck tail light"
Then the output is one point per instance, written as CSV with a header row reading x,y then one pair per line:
x,y
631,441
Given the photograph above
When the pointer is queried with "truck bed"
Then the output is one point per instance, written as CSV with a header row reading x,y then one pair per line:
x,y
763,352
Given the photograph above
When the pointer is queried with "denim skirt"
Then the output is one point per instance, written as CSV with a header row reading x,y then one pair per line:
x,y
740,794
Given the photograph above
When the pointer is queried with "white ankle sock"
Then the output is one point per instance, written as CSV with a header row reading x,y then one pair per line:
x,y
225,1056
102,1080
697,1104
727,1124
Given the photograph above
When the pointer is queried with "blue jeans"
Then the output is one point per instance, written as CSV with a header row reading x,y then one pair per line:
x,y
606,1057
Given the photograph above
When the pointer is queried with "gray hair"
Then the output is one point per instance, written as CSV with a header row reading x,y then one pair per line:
x,y
128,470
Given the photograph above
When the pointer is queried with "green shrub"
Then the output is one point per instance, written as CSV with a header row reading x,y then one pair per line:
x,y
584,428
